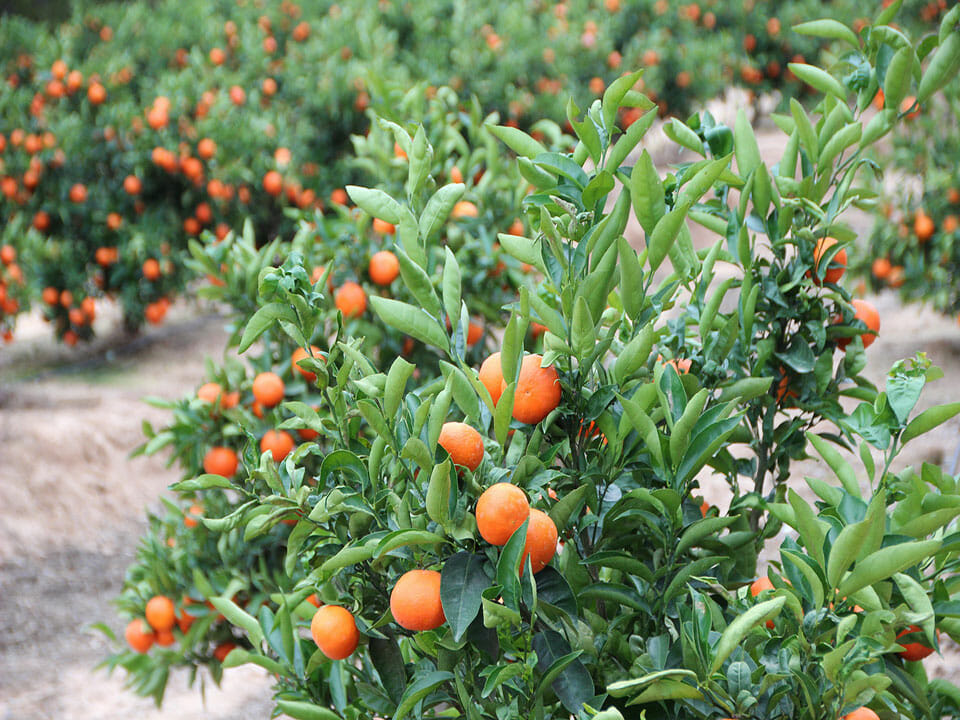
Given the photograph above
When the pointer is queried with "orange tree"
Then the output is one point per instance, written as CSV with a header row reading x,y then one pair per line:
x,y
912,247
430,530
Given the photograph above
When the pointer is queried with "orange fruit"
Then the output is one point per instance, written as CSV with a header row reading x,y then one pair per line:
x,y
866,313
137,637
464,208
160,613
51,295
220,460
206,148
314,600
301,354
58,69
238,95
41,220
78,193
415,601
383,227
704,508
759,585
913,651
190,518
278,442
335,631
273,183
151,269
165,638
268,389
923,226
953,196
384,267
223,649
897,277
538,391
339,197
474,333
863,713
96,93
464,444
541,542
491,375
881,268
837,266
501,509
351,300
456,176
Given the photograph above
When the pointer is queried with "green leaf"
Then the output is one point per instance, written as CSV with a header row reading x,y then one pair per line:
x,y
262,320
397,377
300,710
898,77
664,234
834,459
462,582
818,79
737,630
419,689
567,505
204,482
745,145
929,419
376,203
885,563
646,193
808,136
405,537
667,689
682,135
438,494
827,28
625,687
517,140
238,618
388,661
942,68
411,320
438,209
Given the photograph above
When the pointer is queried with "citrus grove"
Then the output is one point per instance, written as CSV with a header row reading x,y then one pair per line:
x,y
451,463
128,133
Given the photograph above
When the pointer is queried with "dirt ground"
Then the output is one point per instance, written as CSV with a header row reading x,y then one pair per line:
x,y
72,501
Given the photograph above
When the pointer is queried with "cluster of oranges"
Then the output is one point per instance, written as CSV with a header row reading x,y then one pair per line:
x,y
501,510
11,278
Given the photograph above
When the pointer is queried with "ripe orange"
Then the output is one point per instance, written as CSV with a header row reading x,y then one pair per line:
x,y
339,197
314,600
383,227
868,314
464,444
300,354
384,267
191,518
456,176
491,375
923,226
137,637
474,333
335,631
278,442
501,509
151,269
351,300
837,266
863,713
273,183
538,391
415,601
220,460
96,94
78,193
759,585
238,95
953,196
206,148
541,542
464,208
160,613
223,649
51,295
913,651
881,268
268,389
